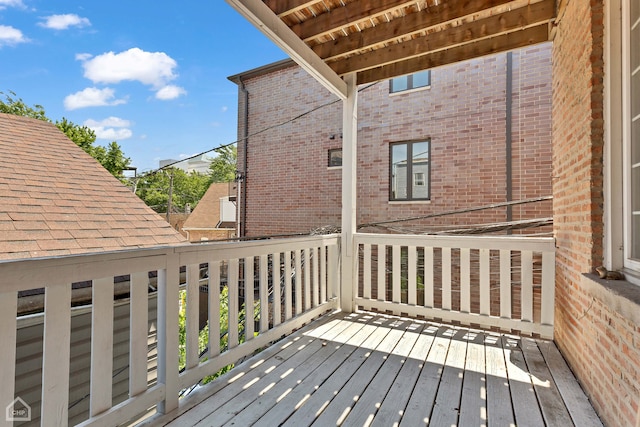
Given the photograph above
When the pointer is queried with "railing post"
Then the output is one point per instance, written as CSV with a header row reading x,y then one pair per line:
x,y
168,285
349,193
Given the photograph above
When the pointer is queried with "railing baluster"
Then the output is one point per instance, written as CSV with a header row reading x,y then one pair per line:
x,y
55,355
505,283
168,287
298,267
465,280
526,268
264,293
249,289
232,283
446,278
396,274
8,332
323,274
366,271
214,308
191,316
382,272
428,276
275,281
333,271
101,345
138,332
412,261
314,264
307,279
548,287
287,286
485,282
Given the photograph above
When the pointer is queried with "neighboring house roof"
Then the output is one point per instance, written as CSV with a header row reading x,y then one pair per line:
x,y
265,69
206,214
57,200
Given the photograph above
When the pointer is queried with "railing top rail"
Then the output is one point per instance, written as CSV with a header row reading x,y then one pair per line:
x,y
538,244
34,273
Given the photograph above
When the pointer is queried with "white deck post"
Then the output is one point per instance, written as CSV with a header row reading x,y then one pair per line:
x,y
349,193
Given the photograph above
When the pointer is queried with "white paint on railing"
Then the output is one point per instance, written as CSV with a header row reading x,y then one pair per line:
x,y
101,345
450,293
138,333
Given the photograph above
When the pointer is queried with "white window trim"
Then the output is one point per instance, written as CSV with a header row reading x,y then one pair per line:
x,y
617,132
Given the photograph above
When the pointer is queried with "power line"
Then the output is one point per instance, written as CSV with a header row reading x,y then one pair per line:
x,y
220,147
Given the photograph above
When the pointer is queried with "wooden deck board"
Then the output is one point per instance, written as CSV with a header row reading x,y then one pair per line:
x,y
370,369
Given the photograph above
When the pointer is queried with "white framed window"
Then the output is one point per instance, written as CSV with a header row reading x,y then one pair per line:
x,y
410,170
631,132
410,81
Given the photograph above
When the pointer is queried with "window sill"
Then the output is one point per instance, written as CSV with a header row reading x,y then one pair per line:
x,y
409,202
621,296
330,168
417,89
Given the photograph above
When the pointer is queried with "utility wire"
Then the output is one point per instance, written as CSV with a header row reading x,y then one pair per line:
x,y
220,147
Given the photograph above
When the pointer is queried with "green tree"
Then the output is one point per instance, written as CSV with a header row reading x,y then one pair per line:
x,y
17,107
223,167
112,157
153,189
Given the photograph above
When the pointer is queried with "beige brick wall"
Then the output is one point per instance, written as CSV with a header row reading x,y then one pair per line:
x,y
599,337
290,189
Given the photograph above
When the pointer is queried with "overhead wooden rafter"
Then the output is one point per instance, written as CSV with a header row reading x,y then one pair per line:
x,y
380,39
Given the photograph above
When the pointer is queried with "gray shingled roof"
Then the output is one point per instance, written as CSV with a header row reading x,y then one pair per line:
x,y
56,200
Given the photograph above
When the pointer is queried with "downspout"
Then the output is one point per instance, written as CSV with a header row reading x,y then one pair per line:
x,y
242,223
508,135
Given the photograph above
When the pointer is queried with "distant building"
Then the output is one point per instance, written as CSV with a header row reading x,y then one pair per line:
x,y
214,217
198,164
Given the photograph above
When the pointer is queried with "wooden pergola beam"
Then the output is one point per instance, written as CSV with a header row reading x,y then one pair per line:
x,y
263,18
287,7
514,20
501,43
350,14
402,27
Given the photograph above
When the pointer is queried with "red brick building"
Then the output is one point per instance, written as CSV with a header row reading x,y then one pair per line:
x,y
459,122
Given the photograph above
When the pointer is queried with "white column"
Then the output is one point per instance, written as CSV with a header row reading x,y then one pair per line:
x,y
349,193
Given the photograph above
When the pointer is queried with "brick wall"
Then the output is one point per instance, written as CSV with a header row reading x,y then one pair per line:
x,y
598,336
290,189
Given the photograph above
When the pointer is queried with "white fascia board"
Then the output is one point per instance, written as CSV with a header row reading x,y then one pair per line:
x,y
259,14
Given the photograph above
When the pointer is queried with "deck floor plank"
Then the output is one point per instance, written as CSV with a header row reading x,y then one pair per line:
x,y
367,406
523,397
318,401
447,407
382,370
420,406
393,406
288,404
225,412
578,405
499,407
553,409
474,389
344,402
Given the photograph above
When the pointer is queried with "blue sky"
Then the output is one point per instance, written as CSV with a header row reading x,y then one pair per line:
x,y
150,75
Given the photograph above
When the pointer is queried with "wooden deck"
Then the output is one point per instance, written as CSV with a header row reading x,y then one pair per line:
x,y
369,369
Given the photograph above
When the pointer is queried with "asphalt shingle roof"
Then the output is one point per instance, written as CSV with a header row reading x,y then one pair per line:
x,y
56,200
207,213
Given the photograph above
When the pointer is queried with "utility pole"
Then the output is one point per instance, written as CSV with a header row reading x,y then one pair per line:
x,y
170,197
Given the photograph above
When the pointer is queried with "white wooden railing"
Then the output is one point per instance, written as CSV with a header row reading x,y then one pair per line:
x,y
296,280
490,282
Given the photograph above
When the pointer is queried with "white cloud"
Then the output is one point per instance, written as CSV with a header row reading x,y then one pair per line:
x,y
224,109
92,97
155,69
83,56
11,3
112,134
63,22
170,92
10,36
111,128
